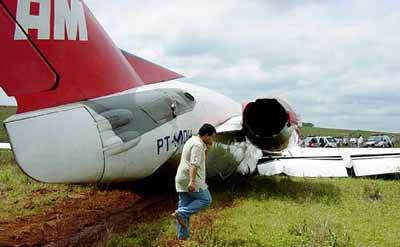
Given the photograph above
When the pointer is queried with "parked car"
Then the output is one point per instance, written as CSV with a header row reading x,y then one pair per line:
x,y
378,141
310,141
327,142
320,141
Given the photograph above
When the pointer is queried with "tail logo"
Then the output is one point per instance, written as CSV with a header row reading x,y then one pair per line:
x,y
69,19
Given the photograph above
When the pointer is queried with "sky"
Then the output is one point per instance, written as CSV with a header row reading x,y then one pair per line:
x,y
336,62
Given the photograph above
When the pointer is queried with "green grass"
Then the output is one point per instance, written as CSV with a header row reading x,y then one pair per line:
x,y
21,196
5,112
282,211
316,131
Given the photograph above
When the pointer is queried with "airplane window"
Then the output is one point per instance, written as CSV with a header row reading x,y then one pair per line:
x,y
189,96
183,100
160,110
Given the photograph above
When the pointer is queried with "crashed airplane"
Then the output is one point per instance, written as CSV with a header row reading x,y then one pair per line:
x,y
90,112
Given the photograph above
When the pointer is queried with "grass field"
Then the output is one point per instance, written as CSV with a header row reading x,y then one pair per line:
x,y
5,112
316,131
254,211
21,196
282,211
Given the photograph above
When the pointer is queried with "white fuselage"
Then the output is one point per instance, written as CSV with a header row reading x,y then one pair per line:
x,y
73,143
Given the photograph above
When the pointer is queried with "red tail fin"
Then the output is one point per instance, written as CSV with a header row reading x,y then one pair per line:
x,y
54,52
148,71
21,61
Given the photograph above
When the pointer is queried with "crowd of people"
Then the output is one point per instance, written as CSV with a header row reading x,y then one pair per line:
x,y
382,141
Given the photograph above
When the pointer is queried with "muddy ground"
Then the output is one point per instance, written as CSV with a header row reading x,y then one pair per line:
x,y
88,219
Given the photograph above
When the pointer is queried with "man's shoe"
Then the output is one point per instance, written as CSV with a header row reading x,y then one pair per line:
x,y
180,219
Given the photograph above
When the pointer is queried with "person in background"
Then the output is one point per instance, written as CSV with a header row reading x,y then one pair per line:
x,y
360,141
190,179
322,143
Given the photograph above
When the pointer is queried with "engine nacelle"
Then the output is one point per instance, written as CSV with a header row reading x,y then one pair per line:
x,y
57,145
269,123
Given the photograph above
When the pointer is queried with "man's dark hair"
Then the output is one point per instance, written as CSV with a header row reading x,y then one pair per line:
x,y
207,129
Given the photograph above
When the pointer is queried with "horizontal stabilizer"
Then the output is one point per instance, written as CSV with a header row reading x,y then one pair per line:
x,y
332,162
303,168
376,165
150,72
232,124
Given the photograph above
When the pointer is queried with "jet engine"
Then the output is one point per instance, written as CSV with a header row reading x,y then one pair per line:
x,y
269,123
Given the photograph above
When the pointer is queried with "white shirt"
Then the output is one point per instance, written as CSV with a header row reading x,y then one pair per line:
x,y
193,153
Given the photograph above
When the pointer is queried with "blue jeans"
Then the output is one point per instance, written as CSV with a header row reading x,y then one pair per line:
x,y
191,203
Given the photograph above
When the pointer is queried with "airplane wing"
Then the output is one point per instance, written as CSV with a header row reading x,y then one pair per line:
x,y
231,125
5,146
308,162
332,162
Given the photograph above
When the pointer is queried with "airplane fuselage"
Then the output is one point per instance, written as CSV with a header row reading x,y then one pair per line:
x,y
125,136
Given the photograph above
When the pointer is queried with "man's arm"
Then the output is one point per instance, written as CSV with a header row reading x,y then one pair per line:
x,y
195,155
192,177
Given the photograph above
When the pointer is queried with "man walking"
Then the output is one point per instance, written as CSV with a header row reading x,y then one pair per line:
x,y
190,179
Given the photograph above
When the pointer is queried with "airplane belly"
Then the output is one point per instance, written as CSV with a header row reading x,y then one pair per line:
x,y
57,145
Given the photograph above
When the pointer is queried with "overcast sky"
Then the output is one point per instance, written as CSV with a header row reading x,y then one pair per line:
x,y
336,62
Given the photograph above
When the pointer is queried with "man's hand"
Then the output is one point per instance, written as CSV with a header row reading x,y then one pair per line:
x,y
191,187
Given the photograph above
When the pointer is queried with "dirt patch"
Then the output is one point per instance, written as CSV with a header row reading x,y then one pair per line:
x,y
89,218
75,219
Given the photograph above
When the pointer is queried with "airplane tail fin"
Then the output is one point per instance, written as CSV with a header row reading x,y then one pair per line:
x,y
55,53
